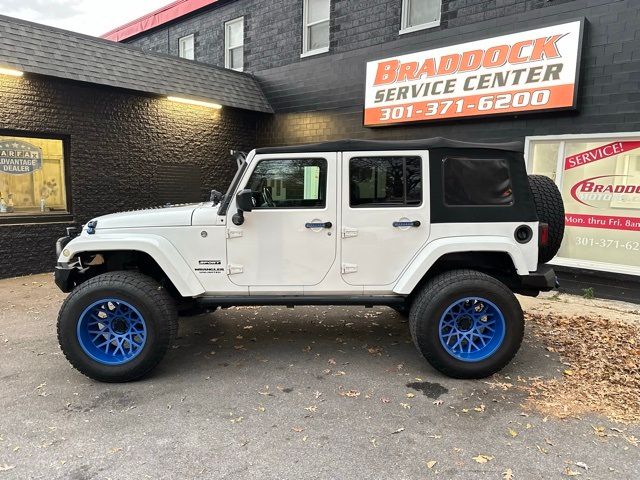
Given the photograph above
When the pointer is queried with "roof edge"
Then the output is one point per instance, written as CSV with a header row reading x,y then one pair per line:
x,y
154,19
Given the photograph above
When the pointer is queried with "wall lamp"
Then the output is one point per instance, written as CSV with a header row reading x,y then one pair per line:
x,y
200,103
11,71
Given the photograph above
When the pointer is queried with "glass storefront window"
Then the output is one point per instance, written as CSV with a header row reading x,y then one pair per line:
x,y
599,177
545,158
32,177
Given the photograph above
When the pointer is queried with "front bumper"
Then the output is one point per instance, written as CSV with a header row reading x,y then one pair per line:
x,y
543,279
63,276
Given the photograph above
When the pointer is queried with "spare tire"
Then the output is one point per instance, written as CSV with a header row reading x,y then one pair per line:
x,y
550,210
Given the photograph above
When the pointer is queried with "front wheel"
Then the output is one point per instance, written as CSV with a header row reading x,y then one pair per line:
x,y
466,324
116,327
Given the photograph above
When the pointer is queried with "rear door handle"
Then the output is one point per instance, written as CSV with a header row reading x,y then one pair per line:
x,y
318,225
409,223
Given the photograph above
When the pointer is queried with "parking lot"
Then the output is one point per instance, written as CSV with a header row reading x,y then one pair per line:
x,y
329,393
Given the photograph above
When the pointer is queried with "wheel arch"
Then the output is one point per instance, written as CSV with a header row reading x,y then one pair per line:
x,y
496,257
153,255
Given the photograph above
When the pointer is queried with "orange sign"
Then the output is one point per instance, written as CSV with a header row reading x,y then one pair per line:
x,y
527,71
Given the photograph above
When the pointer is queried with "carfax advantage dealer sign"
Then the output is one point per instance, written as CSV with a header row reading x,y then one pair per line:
x,y
521,72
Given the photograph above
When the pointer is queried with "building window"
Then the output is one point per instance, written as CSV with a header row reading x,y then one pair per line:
x,y
385,181
187,47
599,178
289,183
477,182
32,177
234,44
420,14
315,35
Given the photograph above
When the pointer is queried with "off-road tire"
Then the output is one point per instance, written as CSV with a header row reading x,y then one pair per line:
x,y
154,303
550,210
437,295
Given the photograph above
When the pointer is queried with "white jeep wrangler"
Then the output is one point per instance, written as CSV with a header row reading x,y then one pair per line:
x,y
442,231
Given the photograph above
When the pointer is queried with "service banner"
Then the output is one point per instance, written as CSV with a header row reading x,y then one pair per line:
x,y
601,192
522,72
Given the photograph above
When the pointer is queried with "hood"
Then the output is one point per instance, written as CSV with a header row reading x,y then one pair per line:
x,y
178,216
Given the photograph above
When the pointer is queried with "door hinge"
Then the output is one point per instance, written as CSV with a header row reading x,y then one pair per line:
x,y
349,268
234,269
349,232
233,233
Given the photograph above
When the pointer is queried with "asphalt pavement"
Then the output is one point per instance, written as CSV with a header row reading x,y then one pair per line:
x,y
277,393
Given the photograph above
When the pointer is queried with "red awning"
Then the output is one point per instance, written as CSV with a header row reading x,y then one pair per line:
x,y
161,16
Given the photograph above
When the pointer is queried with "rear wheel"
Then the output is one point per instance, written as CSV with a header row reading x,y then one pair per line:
x,y
550,210
466,324
116,327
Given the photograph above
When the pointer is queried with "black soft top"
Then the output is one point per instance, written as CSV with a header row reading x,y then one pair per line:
x,y
381,145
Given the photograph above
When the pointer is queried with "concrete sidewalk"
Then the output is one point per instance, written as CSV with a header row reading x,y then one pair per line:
x,y
264,393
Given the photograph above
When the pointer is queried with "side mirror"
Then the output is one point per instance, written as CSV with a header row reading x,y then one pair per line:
x,y
244,200
216,197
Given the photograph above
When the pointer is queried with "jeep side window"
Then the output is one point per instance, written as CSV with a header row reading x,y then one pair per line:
x,y
385,181
477,182
289,183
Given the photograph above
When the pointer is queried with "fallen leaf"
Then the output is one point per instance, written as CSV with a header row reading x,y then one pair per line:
x,y
405,406
375,350
331,361
571,473
513,433
350,394
115,450
411,395
298,429
483,458
312,408
385,400
507,474
480,408
431,464
260,408
582,465
438,402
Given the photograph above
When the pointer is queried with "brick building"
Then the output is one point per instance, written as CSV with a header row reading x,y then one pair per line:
x,y
311,58
318,91
86,129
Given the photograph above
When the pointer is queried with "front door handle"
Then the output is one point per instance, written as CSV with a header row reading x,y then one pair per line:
x,y
408,223
318,225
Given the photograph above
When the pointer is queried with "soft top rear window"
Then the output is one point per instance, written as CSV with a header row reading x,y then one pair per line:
x,y
477,182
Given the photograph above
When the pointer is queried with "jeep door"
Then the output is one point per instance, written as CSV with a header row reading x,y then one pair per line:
x,y
385,214
289,239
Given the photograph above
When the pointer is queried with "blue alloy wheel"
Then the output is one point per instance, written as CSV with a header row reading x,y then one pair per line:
x,y
472,329
112,331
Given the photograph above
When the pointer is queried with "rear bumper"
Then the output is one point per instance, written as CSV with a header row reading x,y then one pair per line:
x,y
543,279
